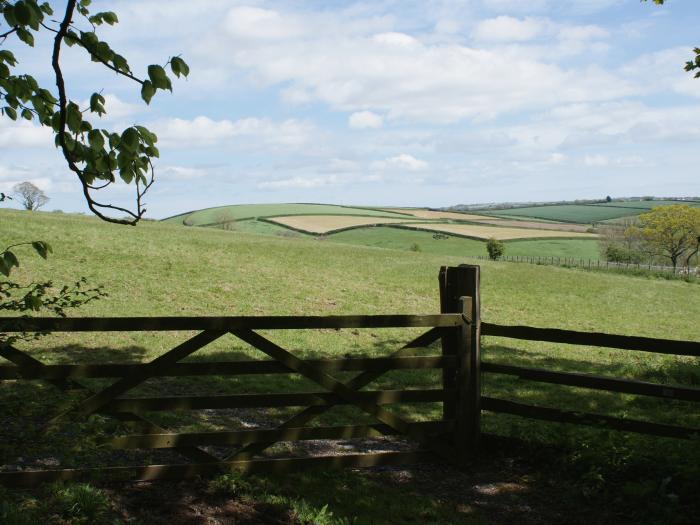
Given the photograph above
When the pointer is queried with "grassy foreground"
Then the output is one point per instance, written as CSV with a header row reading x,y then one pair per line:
x,y
159,269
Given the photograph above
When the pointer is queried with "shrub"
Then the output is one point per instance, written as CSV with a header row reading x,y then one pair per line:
x,y
495,248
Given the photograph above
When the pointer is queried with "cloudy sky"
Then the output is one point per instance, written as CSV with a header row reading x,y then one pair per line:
x,y
425,103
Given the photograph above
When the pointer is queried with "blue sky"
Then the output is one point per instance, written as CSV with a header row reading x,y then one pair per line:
x,y
428,103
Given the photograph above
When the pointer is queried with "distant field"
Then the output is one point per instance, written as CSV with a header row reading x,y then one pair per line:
x,y
563,227
485,232
646,205
576,213
404,239
431,214
329,223
245,211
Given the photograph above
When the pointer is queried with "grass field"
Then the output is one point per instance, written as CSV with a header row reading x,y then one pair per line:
x,y
404,239
647,205
330,223
246,211
161,269
576,213
479,231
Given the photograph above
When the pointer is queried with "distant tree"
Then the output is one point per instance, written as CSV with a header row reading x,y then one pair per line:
x,y
495,248
608,199
226,219
623,243
32,197
672,231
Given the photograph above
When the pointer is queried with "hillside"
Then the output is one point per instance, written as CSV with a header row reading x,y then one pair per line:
x,y
164,269
401,228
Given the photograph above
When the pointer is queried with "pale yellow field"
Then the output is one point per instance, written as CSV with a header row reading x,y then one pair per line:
x,y
485,232
557,226
329,223
429,214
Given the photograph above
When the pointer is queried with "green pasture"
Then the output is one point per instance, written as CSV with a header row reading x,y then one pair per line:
x,y
576,213
246,211
646,205
163,269
426,242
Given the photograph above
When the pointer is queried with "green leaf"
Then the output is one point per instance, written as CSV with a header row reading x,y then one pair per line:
x,y
27,114
110,17
42,248
10,112
179,67
96,104
22,13
158,77
96,140
32,302
73,117
4,269
147,91
25,36
130,139
10,259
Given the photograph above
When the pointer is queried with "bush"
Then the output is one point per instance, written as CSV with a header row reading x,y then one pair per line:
x,y
495,248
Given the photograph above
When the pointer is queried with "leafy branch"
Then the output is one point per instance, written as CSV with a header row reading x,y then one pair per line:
x,y
97,156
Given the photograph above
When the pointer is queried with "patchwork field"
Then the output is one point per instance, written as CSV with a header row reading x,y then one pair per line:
x,y
646,205
329,223
486,232
437,215
562,227
576,213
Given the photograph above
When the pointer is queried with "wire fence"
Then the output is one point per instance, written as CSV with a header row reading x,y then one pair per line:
x,y
590,264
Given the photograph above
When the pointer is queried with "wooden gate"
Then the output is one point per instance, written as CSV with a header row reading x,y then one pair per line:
x,y
451,438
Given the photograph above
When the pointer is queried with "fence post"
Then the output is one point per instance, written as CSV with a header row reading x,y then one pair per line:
x,y
459,293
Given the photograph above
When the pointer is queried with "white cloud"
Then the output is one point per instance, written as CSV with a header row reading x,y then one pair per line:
x,y
365,119
596,160
403,161
509,29
300,182
180,172
23,134
203,131
254,23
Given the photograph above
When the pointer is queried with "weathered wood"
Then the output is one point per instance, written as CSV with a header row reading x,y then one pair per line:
x,y
28,363
583,418
315,399
182,471
103,397
282,322
454,283
244,437
330,383
596,382
623,342
468,418
356,383
27,366
222,368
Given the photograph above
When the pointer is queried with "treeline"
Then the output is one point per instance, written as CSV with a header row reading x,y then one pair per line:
x,y
663,235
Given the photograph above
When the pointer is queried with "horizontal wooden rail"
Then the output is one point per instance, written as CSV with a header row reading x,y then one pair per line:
x,y
596,382
623,342
583,418
379,397
294,322
224,368
245,437
181,471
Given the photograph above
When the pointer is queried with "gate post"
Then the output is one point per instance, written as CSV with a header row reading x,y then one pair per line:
x,y
459,293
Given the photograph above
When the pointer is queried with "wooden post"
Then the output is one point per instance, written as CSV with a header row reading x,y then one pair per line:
x,y
459,293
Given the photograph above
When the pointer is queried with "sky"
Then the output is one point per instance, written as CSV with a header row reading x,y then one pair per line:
x,y
388,103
